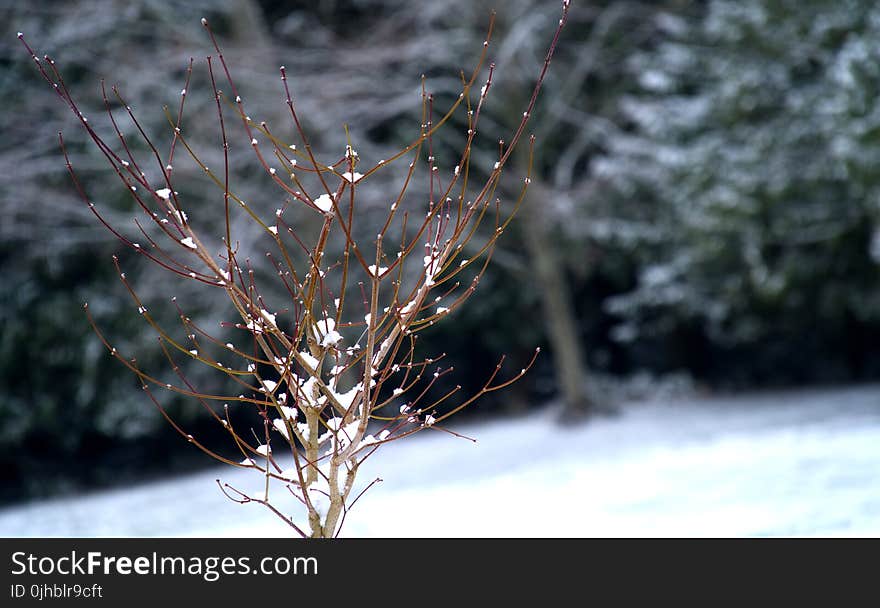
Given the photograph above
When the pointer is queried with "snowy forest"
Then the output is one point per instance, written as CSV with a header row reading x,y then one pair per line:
x,y
703,206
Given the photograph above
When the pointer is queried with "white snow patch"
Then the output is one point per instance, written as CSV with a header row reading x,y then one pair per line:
x,y
799,463
268,317
281,427
408,308
311,361
325,330
324,203
331,338
347,398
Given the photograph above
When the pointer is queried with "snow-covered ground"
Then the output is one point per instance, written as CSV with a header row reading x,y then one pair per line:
x,y
789,464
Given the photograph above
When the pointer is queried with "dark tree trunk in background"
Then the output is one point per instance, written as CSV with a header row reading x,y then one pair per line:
x,y
249,27
569,362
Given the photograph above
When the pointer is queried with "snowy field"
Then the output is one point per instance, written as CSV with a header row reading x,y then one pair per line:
x,y
770,464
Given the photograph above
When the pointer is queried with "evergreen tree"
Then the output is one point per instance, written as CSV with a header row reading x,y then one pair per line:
x,y
751,180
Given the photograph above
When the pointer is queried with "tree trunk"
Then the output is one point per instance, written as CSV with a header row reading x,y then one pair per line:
x,y
249,27
569,363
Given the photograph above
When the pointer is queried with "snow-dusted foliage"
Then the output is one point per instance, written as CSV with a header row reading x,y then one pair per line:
x,y
323,303
753,151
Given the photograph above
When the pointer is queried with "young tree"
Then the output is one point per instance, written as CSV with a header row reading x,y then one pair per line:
x,y
330,368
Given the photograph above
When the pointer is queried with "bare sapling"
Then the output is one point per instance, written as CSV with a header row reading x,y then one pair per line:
x,y
333,372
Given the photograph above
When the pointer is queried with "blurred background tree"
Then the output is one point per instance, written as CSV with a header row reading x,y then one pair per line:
x,y
704,195
753,156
